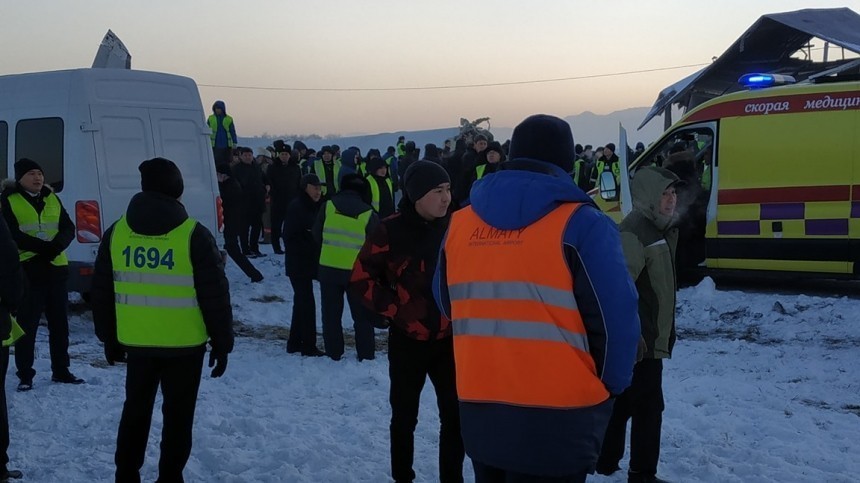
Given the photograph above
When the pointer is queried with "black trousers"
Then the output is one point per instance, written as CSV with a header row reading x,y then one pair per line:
x,y
4,412
643,403
179,378
409,363
303,327
332,311
490,474
249,233
232,233
48,295
222,155
278,213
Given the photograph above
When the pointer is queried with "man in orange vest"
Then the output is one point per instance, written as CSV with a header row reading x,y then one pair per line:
x,y
544,313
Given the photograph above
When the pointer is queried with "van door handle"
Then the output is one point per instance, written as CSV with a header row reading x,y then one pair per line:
x,y
89,127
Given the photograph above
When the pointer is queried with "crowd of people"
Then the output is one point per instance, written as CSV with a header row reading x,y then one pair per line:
x,y
541,324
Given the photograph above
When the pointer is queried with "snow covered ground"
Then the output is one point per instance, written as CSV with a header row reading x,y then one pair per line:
x,y
763,387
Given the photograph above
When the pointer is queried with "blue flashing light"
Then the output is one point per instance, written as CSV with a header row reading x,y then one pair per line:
x,y
753,81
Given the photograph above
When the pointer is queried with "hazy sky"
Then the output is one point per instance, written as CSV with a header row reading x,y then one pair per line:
x,y
389,43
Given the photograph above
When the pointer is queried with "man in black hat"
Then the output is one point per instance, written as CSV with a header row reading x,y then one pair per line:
x,y
301,262
42,229
159,294
393,278
284,176
253,182
327,168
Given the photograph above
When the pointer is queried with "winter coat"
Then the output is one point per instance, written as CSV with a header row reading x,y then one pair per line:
x,y
394,272
284,180
232,204
253,183
347,164
349,203
386,197
11,280
650,240
466,175
38,268
302,251
223,138
560,441
151,213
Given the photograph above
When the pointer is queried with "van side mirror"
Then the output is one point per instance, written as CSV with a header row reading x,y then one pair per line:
x,y
608,187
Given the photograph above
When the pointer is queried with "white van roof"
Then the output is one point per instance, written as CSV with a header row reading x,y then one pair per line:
x,y
98,86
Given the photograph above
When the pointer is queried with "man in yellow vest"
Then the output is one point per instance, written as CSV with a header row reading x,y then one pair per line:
x,y
11,290
223,133
159,294
42,230
342,226
327,168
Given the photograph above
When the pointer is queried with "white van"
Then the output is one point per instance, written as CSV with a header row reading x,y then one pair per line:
x,y
89,129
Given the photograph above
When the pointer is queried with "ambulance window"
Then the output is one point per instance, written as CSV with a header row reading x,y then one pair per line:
x,y
4,149
694,144
42,141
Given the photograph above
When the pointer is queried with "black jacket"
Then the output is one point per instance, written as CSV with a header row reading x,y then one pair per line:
x,y
231,203
386,197
39,266
284,180
151,213
11,280
349,203
302,252
253,183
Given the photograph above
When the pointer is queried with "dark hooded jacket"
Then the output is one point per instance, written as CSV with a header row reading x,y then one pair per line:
x,y
302,252
222,137
650,241
555,442
11,280
253,183
151,213
394,272
349,203
39,267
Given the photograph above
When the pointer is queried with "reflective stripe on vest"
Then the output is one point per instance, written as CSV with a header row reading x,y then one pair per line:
x,y
343,237
375,195
226,122
319,168
156,302
519,338
43,226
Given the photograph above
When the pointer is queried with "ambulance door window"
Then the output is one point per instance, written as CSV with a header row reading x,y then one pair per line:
x,y
4,149
42,141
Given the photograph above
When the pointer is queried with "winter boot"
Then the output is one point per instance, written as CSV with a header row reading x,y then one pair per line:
x,y
66,378
606,469
633,477
7,474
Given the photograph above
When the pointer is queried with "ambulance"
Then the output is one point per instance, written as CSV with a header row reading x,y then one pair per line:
x,y
89,129
777,179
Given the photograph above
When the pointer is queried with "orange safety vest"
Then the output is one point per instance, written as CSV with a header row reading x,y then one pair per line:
x,y
519,338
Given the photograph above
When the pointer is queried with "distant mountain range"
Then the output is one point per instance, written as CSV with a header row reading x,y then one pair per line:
x,y
588,128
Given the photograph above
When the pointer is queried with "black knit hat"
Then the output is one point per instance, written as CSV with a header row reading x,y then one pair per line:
x,y
421,177
357,183
544,138
375,163
309,179
24,166
162,176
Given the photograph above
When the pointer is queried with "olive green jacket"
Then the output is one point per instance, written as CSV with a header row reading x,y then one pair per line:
x,y
649,242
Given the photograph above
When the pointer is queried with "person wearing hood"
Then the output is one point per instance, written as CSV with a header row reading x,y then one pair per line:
x,y
11,291
327,168
649,239
42,230
301,261
534,280
381,187
341,227
393,278
223,133
232,208
284,176
159,294
349,163
391,161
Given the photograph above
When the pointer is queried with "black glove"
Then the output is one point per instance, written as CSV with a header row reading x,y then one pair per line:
x,y
219,362
114,353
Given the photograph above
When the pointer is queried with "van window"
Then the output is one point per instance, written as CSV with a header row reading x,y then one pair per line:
x,y
42,141
4,149
689,152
